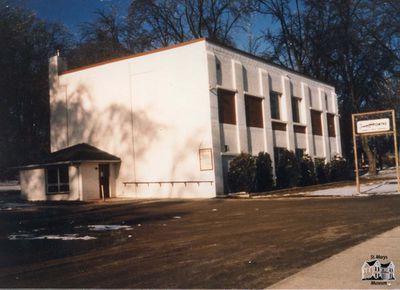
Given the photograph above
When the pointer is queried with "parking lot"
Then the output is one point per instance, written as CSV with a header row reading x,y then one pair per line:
x,y
215,243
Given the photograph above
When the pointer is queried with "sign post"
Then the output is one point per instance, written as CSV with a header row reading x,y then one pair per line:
x,y
374,127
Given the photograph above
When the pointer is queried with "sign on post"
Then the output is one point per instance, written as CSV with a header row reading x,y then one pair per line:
x,y
374,127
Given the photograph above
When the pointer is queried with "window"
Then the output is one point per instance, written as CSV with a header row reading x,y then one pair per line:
x,y
219,71
300,153
331,125
326,102
226,107
316,122
275,99
278,126
57,179
295,109
299,129
253,111
277,153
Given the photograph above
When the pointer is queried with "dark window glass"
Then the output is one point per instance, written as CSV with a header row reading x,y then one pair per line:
x,y
299,129
299,153
52,175
64,188
326,102
316,122
277,153
52,188
331,125
253,111
64,178
57,179
278,126
226,107
296,110
275,99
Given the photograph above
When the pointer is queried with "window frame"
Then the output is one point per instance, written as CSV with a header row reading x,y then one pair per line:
x,y
316,130
331,124
277,153
60,183
299,153
278,96
296,104
254,111
223,118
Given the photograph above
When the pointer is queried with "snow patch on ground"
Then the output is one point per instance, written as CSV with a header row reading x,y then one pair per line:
x,y
14,206
109,227
388,187
66,237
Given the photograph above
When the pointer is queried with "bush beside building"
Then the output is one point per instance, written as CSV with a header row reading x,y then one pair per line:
x,y
255,174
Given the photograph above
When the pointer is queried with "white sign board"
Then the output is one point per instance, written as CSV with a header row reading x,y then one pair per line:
x,y
372,126
206,162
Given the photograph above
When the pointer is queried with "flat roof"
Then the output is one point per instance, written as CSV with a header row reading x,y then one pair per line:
x,y
236,50
132,55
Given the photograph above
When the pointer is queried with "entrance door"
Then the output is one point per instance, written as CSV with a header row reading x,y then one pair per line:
x,y
226,160
104,180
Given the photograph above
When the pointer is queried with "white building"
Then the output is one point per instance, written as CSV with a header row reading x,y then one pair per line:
x,y
176,116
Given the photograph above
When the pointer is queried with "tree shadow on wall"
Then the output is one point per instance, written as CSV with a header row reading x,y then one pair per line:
x,y
113,127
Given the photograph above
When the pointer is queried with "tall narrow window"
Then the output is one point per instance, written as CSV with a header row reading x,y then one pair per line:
x,y
299,153
326,102
253,111
331,125
296,109
57,179
277,154
275,99
316,122
226,107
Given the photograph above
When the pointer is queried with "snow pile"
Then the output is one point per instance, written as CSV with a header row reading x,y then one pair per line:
x,y
66,237
14,206
388,187
109,227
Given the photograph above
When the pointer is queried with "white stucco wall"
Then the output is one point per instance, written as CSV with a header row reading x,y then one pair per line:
x,y
229,137
33,184
152,111
280,139
256,140
319,147
156,110
74,183
253,76
301,140
90,181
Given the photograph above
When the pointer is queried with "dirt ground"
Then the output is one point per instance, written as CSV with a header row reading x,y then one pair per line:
x,y
216,243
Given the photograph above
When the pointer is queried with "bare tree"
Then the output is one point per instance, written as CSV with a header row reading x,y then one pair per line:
x,y
171,21
347,43
26,42
102,38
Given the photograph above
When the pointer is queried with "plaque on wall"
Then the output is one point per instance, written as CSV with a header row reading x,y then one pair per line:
x,y
206,161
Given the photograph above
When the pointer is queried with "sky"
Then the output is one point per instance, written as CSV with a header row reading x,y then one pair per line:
x,y
73,12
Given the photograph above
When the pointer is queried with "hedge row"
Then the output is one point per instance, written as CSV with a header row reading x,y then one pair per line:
x,y
254,174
